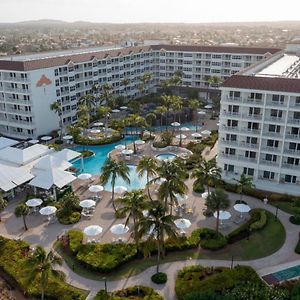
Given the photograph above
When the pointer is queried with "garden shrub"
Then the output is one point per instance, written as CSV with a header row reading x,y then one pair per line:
x,y
198,187
105,257
295,219
159,278
87,153
58,142
199,279
211,240
209,295
83,140
261,223
75,240
68,217
13,262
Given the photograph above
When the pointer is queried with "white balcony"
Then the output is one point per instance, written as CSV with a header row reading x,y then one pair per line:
x,y
274,120
269,163
276,104
270,149
250,131
292,152
18,90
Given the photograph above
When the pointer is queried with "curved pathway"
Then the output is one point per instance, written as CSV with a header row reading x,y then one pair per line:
x,y
283,255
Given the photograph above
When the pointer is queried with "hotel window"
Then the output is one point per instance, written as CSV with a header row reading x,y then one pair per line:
x,y
233,94
232,123
250,154
293,161
268,175
294,146
254,111
251,140
275,113
253,126
297,115
231,137
230,151
271,157
228,168
278,98
274,128
290,179
249,171
257,96
297,101
272,143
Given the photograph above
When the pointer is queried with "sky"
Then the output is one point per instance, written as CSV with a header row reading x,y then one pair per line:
x,y
133,11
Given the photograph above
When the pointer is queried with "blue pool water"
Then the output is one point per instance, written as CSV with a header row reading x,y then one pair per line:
x,y
166,156
94,164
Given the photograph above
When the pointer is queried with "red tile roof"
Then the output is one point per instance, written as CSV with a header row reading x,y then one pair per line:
x,y
35,64
263,83
217,49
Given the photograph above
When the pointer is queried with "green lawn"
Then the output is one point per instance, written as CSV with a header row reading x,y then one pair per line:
x,y
260,244
288,207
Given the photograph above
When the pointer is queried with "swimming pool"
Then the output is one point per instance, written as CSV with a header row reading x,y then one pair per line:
x,y
94,164
286,274
166,156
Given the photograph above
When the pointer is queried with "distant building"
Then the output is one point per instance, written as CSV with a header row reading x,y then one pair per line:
x,y
259,133
30,83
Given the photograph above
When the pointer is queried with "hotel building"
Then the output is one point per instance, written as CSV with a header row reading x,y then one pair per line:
x,y
260,123
29,84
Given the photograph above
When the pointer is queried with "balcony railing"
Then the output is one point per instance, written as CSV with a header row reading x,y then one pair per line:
x,y
276,103
270,149
269,163
291,152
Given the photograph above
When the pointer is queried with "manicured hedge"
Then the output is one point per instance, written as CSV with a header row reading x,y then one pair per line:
x,y
68,217
137,292
295,219
197,278
211,240
159,278
75,240
13,262
82,140
261,223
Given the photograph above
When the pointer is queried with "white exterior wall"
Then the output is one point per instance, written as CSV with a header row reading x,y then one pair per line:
x,y
269,172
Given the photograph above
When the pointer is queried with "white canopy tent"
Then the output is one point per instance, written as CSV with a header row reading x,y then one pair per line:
x,y
6,142
49,162
66,154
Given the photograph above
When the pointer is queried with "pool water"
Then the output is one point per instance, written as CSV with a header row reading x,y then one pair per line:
x,y
166,156
94,164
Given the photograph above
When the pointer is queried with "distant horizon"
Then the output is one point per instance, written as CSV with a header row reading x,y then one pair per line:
x,y
145,11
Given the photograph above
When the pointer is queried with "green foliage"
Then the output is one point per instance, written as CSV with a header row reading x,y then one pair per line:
x,y
3,203
105,257
209,295
198,187
166,138
75,240
211,240
297,248
295,219
87,153
137,292
159,278
84,140
67,217
261,223
199,279
69,212
13,261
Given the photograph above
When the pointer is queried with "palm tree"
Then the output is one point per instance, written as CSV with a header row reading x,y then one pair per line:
x,y
175,174
217,200
177,105
106,95
133,203
89,101
160,110
83,115
206,172
104,112
110,171
159,224
148,165
3,204
22,210
145,78
243,184
40,265
194,105
56,107
214,81
125,82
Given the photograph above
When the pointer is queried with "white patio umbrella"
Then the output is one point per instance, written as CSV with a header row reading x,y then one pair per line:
x,y
208,106
223,215
115,110
46,138
196,135
206,132
123,107
97,124
218,124
180,136
96,188
95,130
87,203
204,195
175,124
120,147
184,129
182,223
201,113
33,142
181,198
119,229
84,176
92,230
67,137
145,213
139,142
48,210
160,181
127,151
34,202
119,189
242,208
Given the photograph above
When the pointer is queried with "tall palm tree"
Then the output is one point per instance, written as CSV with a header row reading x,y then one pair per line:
x,y
148,165
175,174
83,116
133,203
106,94
145,78
194,105
217,200
89,101
104,112
56,107
40,265
177,105
214,81
125,82
110,171
22,210
150,118
159,224
205,172
243,184
161,110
